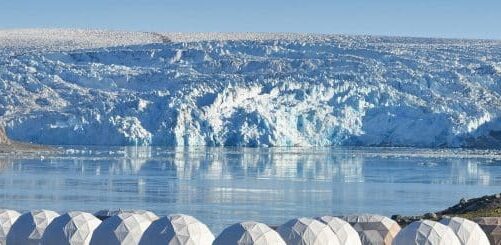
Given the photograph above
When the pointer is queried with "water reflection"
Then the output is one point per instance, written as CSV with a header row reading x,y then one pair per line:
x,y
225,185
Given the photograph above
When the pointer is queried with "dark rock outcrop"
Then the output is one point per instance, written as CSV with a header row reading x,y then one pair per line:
x,y
475,204
468,208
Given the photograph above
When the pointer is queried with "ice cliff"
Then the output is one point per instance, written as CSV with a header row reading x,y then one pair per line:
x,y
112,88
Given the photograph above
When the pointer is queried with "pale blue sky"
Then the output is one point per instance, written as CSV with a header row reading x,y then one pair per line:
x,y
429,18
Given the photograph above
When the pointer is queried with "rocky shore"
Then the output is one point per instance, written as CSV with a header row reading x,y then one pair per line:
x,y
486,206
8,146
3,137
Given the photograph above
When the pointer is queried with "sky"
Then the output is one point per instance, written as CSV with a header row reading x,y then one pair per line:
x,y
422,18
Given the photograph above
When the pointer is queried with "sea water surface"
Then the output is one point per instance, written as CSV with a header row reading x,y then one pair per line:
x,y
222,186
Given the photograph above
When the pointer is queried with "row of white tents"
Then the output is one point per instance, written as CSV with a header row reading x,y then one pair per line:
x,y
144,227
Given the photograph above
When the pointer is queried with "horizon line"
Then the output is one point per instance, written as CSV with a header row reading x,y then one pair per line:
x,y
249,32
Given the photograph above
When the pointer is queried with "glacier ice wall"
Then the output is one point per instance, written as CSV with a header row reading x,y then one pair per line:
x,y
337,90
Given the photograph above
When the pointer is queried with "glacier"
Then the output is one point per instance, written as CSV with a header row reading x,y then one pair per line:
x,y
83,87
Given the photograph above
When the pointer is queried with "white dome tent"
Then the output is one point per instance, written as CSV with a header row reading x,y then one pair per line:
x,y
177,229
468,232
29,227
307,231
104,214
344,232
124,228
148,214
426,232
71,228
249,233
373,229
7,218
491,227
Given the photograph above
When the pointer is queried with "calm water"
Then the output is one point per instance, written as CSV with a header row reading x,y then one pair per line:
x,y
221,186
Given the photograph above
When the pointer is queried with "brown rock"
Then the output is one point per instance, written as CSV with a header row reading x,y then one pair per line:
x,y
3,137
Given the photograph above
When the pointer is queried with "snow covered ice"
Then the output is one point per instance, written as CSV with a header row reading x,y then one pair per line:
x,y
77,87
